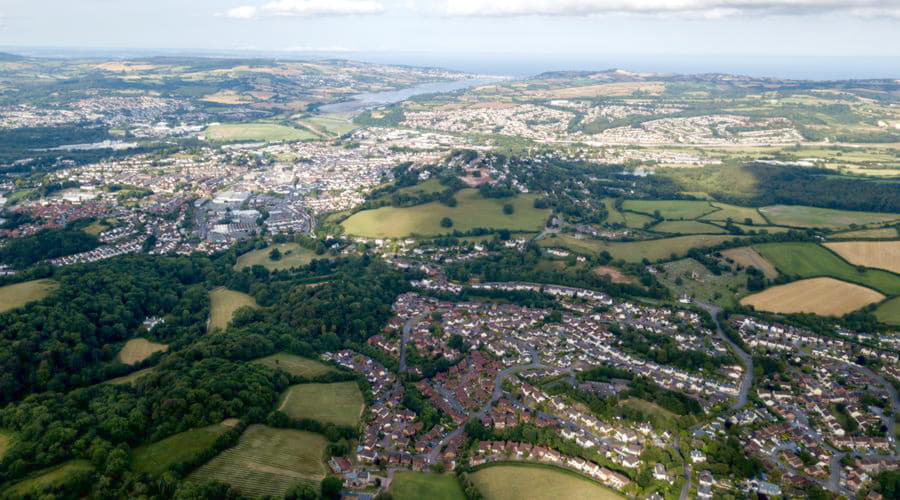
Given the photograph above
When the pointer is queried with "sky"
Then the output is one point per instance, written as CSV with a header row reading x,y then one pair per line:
x,y
561,30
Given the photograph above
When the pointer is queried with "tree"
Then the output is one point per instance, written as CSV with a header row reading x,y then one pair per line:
x,y
331,487
301,491
447,222
275,254
508,209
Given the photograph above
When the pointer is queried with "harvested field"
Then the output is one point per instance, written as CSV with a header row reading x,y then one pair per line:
x,y
268,461
822,296
20,294
536,482
295,365
803,216
340,403
137,350
747,256
614,275
877,254
223,304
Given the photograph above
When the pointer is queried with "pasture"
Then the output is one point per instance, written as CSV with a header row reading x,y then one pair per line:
x,y
809,260
883,232
334,125
803,216
686,227
670,209
636,251
822,296
635,220
136,350
292,255
416,485
295,365
51,477
735,213
268,461
223,304
614,217
256,132
889,312
156,458
747,256
536,482
129,379
473,211
20,294
876,254
340,403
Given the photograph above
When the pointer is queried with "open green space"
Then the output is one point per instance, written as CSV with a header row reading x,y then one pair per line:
x,y
419,485
292,255
129,379
51,477
428,187
734,212
330,124
687,276
635,220
136,350
686,227
20,294
536,482
636,251
880,233
889,311
809,260
264,132
156,458
614,217
340,403
473,211
761,229
670,209
5,443
223,304
803,216
295,365
268,461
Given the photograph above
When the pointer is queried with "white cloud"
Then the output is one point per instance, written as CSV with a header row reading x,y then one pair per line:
x,y
307,8
699,8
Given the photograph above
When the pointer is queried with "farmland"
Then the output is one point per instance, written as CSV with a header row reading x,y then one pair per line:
x,y
416,485
876,254
256,132
670,209
809,260
20,294
295,365
340,403
889,312
635,251
48,478
473,211
822,296
156,458
267,461
223,304
686,227
292,255
535,482
735,213
614,216
614,275
802,216
137,350
883,232
700,284
747,256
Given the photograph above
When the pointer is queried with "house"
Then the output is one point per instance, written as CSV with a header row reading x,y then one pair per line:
x,y
659,473
697,456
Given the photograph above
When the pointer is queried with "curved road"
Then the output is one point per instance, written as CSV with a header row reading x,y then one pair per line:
x,y
747,379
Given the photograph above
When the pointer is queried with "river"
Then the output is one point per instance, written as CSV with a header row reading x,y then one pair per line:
x,y
367,100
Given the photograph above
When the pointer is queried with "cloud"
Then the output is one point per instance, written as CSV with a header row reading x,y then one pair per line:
x,y
306,8
694,8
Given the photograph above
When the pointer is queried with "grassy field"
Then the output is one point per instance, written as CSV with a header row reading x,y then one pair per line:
x,y
670,209
822,296
686,227
16,296
535,482
802,216
635,251
737,213
883,232
877,254
339,404
156,458
262,132
268,461
334,125
809,260
614,275
889,312
428,187
473,211
650,408
223,304
760,229
635,220
295,365
747,256
130,378
137,350
46,478
292,255
700,284
5,443
614,217
419,485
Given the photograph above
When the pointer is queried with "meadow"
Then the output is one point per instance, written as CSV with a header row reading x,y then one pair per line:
x,y
747,256
614,216
256,132
136,350
5,443
292,255
51,477
809,260
473,211
339,403
129,379
536,482
822,296
803,216
223,304
334,125
686,227
735,213
268,461
636,251
295,365
418,485
876,254
882,232
20,294
670,209
700,284
889,311
156,458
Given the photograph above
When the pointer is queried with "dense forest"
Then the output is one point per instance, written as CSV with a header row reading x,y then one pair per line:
x,y
46,244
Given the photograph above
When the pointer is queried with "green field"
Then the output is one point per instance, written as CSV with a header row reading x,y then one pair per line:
x,y
802,216
292,255
268,461
20,294
223,304
428,187
130,378
736,213
880,233
809,260
670,209
263,132
47,478
136,350
420,485
686,227
473,211
334,125
889,311
5,443
157,457
760,229
636,220
614,217
295,365
340,403
700,284
636,251
536,482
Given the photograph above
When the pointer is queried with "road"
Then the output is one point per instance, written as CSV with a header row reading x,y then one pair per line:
x,y
746,359
407,329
